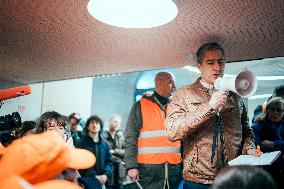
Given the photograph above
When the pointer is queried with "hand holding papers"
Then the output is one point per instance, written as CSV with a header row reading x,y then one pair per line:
x,y
263,159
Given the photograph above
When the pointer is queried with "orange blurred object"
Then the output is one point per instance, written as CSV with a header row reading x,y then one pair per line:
x,y
40,157
258,150
16,182
15,92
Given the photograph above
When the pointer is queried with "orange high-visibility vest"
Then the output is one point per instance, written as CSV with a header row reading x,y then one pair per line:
x,y
153,145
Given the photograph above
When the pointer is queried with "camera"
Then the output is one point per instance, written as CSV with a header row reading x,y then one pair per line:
x,y
10,121
8,125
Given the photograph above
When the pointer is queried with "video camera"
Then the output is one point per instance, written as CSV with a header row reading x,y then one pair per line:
x,y
8,124
10,121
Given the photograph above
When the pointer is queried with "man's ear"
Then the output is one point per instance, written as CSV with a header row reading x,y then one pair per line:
x,y
198,65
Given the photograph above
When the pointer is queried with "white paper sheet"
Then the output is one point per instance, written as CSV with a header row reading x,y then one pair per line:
x,y
264,159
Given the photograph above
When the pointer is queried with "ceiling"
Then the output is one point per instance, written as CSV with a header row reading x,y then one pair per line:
x,y
57,39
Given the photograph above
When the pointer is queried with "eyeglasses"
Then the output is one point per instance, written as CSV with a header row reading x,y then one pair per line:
x,y
50,125
278,110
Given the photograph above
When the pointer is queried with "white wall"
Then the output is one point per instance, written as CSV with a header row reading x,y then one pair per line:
x,y
68,96
65,97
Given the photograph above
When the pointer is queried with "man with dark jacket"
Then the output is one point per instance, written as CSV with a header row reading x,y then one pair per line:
x,y
115,140
76,134
93,142
150,157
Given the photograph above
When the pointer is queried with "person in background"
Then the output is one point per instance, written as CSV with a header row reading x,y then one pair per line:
x,y
93,142
68,137
51,120
213,125
27,128
243,177
269,134
115,139
149,156
278,92
74,119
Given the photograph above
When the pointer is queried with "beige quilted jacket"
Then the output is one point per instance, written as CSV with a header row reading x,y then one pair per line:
x,y
191,119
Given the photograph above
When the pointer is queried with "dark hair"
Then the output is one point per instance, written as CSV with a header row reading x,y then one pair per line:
x,y
74,116
95,118
26,126
211,46
274,100
279,91
49,116
244,177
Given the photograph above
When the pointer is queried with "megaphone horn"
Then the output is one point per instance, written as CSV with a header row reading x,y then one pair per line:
x,y
244,83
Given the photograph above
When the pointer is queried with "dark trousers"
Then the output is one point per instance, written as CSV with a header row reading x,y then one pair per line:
x,y
192,185
113,180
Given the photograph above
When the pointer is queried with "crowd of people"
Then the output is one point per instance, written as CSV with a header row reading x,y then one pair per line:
x,y
106,147
173,139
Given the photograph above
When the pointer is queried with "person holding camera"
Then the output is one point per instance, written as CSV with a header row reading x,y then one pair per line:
x,y
115,140
94,142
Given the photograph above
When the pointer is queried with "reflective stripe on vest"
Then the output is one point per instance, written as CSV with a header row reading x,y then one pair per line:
x,y
153,144
154,150
149,134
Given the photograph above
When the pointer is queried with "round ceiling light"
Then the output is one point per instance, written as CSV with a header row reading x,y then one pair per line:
x,y
133,13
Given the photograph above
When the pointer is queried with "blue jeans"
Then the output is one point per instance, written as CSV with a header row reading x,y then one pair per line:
x,y
192,185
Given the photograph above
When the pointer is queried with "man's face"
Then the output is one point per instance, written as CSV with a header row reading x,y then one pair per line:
x,y
275,112
52,124
94,127
73,124
212,66
168,86
114,123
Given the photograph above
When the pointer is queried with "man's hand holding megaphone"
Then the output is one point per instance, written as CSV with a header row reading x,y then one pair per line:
x,y
218,99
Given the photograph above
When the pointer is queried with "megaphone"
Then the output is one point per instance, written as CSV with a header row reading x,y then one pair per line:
x,y
244,83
